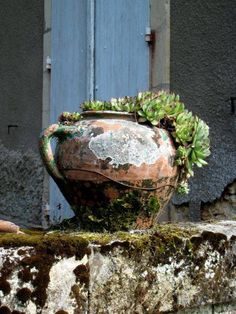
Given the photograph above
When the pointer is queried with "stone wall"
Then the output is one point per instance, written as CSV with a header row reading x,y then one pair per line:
x,y
222,208
189,268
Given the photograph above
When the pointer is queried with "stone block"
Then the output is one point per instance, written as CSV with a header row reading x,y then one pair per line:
x,y
184,268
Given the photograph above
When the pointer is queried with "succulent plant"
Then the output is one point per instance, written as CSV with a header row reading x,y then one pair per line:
x,y
69,117
164,110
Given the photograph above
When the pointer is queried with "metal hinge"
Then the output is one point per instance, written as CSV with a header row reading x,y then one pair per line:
x,y
149,35
48,63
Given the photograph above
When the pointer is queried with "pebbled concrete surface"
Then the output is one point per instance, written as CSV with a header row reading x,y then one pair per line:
x,y
203,72
21,187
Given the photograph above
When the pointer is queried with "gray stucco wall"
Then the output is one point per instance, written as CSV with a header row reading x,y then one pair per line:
x,y
203,72
21,53
21,63
21,187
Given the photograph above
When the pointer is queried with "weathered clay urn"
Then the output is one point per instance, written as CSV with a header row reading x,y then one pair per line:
x,y
115,173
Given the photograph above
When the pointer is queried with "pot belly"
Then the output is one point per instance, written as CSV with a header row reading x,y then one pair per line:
x,y
118,175
120,151
101,204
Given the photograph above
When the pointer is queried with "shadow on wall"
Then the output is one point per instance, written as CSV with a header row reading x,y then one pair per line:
x,y
21,187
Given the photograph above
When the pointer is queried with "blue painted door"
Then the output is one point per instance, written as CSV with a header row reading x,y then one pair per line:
x,y
68,74
122,55
98,51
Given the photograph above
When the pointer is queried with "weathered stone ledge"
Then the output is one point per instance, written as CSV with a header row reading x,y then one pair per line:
x,y
188,268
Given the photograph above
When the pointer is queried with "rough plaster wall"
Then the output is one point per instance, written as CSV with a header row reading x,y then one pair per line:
x,y
203,72
21,56
21,187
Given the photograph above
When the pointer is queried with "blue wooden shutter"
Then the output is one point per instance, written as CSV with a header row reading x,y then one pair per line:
x,y
68,74
121,53
98,51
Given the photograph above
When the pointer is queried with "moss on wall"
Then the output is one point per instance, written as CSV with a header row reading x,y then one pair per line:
x,y
141,271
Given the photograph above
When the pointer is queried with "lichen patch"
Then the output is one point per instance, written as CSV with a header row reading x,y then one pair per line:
x,y
18,297
125,146
164,270
62,279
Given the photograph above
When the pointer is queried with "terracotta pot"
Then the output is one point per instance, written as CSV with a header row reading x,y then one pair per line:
x,y
115,173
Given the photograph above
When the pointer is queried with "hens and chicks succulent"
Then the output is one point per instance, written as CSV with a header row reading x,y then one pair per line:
x,y
164,110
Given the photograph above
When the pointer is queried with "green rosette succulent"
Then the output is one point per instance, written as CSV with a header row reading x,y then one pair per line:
x,y
164,110
69,117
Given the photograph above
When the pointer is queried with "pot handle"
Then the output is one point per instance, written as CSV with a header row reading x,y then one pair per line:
x,y
53,131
